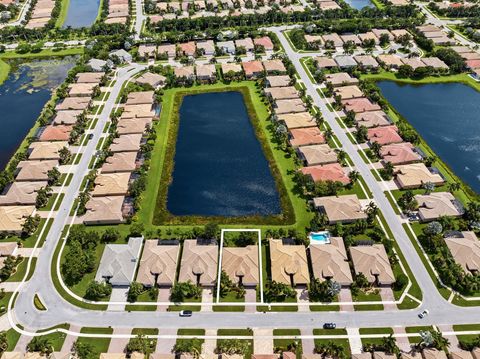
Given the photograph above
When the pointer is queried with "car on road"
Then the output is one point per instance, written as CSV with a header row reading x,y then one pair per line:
x,y
423,314
329,326
90,136
185,313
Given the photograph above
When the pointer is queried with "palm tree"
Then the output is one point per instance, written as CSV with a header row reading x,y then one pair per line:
x,y
429,187
328,134
376,147
454,186
341,156
389,344
353,176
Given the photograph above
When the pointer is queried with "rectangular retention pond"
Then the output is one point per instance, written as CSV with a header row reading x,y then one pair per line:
x,y
447,117
220,168
81,13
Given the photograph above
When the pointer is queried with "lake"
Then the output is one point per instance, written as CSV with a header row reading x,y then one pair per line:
x,y
220,168
81,13
447,117
359,4
22,96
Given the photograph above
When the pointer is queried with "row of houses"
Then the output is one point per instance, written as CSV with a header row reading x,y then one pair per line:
x,y
172,12
197,262
249,69
388,61
118,12
409,170
109,201
336,40
204,48
471,58
214,5
40,14
18,199
436,34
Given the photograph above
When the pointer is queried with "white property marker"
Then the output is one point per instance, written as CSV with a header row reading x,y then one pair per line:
x,y
219,271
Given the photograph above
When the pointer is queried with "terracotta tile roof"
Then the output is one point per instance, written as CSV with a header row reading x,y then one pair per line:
x,y
140,98
414,175
329,172
126,143
346,208
74,103
241,264
133,125
199,262
34,170
317,154
274,66
278,81
46,150
111,184
465,249
361,104
227,67
384,135
66,117
325,62
347,92
89,77
151,79
306,136
288,263
56,133
22,193
436,205
13,217
120,162
289,106
185,71
265,42
252,68
282,93
400,153
160,262
138,111
330,261
341,79
372,119
81,89
373,262
104,210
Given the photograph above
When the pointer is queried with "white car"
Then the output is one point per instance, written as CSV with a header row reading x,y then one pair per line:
x,y
185,313
423,314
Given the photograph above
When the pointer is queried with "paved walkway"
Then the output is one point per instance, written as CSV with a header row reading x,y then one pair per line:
x,y
210,344
118,345
387,295
70,339
308,345
28,252
163,296
356,346
165,346
207,297
302,297
345,296
250,296
262,345
402,342
9,286
22,344
4,323
118,295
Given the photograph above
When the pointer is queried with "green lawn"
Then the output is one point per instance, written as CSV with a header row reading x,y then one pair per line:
x,y
12,339
144,297
100,345
63,13
192,332
238,332
193,308
376,331
291,344
337,331
22,269
4,71
231,297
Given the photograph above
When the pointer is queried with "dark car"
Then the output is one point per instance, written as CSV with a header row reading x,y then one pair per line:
x,y
90,136
185,313
329,326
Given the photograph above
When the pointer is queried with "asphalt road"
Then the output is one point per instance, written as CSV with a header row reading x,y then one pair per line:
x,y
60,311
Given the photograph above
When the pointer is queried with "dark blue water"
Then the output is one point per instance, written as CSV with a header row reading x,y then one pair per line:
x,y
220,168
359,4
22,97
81,13
447,116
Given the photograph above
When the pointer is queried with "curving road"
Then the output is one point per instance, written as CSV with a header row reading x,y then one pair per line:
x,y
60,311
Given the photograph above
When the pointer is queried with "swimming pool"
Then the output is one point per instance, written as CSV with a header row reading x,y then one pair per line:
x,y
319,237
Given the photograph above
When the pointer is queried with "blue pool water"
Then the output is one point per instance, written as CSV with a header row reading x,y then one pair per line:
x,y
319,237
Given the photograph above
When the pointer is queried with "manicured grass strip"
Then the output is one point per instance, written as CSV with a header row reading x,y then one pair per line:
x,y
12,339
376,331
288,344
38,303
4,71
63,13
337,331
144,297
22,269
100,345
466,327
231,298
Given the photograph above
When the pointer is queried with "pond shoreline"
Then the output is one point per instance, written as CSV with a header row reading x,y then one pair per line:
x,y
470,194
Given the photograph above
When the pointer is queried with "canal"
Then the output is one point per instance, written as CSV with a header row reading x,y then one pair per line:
x,y
22,96
220,168
81,13
447,117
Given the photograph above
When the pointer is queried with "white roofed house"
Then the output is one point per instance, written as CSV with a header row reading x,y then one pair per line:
x,y
119,262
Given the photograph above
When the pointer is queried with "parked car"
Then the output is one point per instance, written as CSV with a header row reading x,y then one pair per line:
x,y
185,313
423,314
329,326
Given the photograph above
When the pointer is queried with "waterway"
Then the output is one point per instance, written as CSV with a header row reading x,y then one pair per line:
x,y
22,96
359,4
81,13
220,168
447,117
